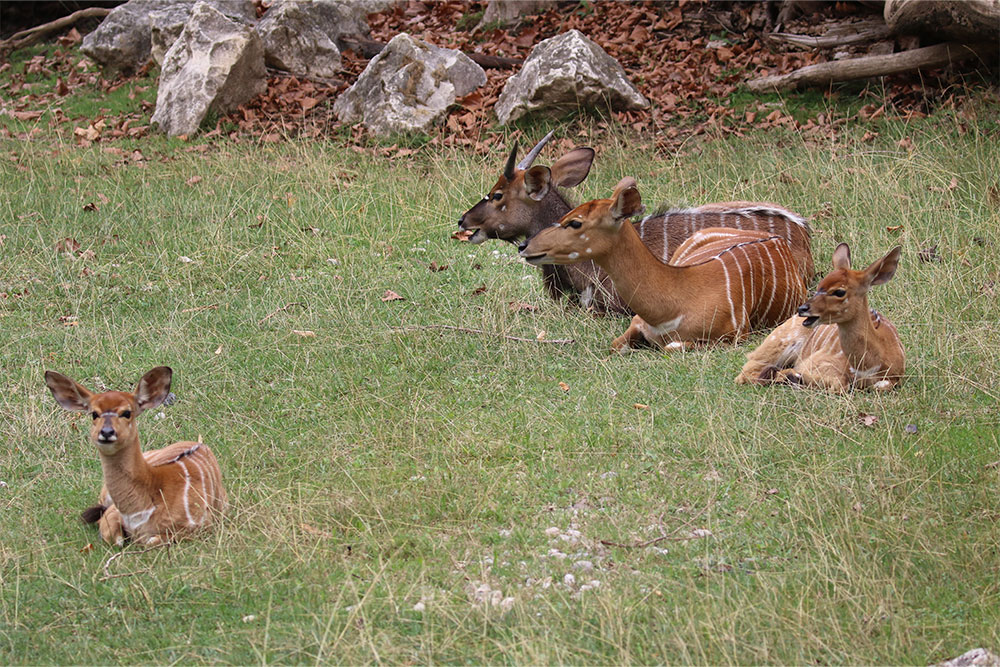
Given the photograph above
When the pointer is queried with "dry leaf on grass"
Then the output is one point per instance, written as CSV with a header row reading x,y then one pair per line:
x,y
304,334
462,235
194,180
867,420
479,290
435,267
522,306
564,386
389,295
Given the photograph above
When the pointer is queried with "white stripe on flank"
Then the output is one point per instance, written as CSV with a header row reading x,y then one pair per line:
x,y
187,487
774,283
729,297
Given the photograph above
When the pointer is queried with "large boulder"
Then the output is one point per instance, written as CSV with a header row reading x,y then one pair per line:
x,y
977,657
300,36
216,63
501,13
166,23
408,87
123,41
563,73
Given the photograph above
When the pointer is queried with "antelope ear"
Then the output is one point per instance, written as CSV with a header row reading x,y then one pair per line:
x,y
153,388
69,394
571,169
884,269
625,202
842,257
537,182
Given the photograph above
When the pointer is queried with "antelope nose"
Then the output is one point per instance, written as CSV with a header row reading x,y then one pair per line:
x,y
107,433
804,310
522,246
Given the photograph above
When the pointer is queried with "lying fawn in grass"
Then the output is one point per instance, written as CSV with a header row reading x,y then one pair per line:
x,y
852,346
151,496
721,283
527,199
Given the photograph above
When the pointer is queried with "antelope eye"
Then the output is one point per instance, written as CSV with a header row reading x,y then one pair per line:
x,y
127,414
575,224
497,196
839,292
95,415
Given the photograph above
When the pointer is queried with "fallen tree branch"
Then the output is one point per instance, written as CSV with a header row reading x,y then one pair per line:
x,y
278,310
369,48
31,35
124,552
839,36
446,327
938,55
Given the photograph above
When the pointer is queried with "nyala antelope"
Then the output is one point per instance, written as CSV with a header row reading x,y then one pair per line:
x,y
526,199
150,497
835,342
721,283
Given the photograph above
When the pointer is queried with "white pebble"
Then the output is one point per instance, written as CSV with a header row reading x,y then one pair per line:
x,y
420,606
584,565
569,579
555,553
186,260
249,618
552,531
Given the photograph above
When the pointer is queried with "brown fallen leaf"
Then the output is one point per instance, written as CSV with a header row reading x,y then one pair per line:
x,y
26,115
564,386
71,38
479,290
67,245
87,549
867,420
929,254
869,137
389,295
462,235
193,181
91,206
435,267
905,143
62,90
894,228
640,406
304,334
522,306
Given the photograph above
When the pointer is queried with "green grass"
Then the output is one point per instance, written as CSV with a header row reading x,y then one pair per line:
x,y
370,469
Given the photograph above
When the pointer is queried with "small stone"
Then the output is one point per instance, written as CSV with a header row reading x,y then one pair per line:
x,y
584,565
419,607
552,531
249,618
569,579
910,428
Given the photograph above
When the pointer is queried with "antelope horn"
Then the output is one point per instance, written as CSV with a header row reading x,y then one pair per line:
x,y
530,157
508,171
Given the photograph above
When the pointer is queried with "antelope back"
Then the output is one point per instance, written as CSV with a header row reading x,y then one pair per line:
x,y
762,284
664,232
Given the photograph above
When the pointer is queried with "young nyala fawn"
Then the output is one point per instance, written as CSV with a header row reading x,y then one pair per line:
x,y
150,497
835,342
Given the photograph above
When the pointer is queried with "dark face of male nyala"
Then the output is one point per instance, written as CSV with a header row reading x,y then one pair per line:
x,y
113,412
842,295
524,199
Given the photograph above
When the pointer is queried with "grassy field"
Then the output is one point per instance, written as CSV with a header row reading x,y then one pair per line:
x,y
424,495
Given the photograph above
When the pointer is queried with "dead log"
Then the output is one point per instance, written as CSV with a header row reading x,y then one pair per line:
x,y
824,74
31,35
961,20
840,35
369,48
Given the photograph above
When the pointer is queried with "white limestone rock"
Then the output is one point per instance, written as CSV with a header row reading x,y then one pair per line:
x,y
977,657
408,87
300,36
564,73
215,63
166,24
124,39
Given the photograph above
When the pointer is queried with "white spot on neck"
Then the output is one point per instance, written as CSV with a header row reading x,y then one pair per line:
x,y
574,255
